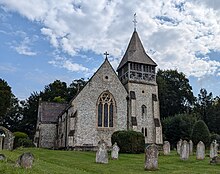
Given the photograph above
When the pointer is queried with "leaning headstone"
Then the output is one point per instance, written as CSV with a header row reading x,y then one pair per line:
x,y
166,148
2,157
213,149
179,144
215,160
184,153
102,154
151,157
190,147
115,150
1,142
25,160
200,151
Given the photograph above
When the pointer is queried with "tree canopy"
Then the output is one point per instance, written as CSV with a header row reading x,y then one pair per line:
x,y
175,93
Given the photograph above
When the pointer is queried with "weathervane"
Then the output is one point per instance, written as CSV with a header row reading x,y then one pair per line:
x,y
135,22
106,54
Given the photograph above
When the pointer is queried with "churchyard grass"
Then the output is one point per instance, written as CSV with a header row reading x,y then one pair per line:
x,y
75,162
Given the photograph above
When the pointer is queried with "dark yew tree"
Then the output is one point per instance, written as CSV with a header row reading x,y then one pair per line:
x,y
203,104
5,98
29,112
175,93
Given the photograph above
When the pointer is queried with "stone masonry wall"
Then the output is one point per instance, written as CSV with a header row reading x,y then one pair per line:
x,y
87,132
47,135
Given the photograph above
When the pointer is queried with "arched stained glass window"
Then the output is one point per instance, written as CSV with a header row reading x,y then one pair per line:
x,y
106,109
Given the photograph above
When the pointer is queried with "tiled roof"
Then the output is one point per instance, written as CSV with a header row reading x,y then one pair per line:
x,y
136,53
50,111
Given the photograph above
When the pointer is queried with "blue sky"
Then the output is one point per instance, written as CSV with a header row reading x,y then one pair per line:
x,y
42,41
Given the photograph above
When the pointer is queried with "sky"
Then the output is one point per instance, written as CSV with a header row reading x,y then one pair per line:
x,y
45,40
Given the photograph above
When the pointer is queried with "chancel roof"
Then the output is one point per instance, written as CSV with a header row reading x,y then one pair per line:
x,y
136,53
50,111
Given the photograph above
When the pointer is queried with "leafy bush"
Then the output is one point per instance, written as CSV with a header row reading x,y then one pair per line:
x,y
22,139
200,133
178,127
129,141
215,137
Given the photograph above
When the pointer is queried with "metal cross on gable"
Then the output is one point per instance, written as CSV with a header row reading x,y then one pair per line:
x,y
135,22
106,54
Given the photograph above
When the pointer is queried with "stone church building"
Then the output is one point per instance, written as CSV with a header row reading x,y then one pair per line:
x,y
110,101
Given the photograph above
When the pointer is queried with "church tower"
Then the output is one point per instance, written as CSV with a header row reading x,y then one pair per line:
x,y
137,73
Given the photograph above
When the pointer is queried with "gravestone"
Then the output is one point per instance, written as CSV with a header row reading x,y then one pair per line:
x,y
2,157
115,150
1,141
102,154
190,147
179,144
25,160
166,148
151,157
6,139
215,160
214,149
200,151
184,152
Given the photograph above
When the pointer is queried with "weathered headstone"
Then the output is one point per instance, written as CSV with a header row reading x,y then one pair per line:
x,y
200,151
166,148
1,142
190,147
102,154
25,160
184,153
2,157
214,149
6,139
215,160
151,157
178,147
115,150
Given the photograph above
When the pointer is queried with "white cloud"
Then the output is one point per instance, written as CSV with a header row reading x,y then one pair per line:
x,y
175,30
62,62
24,47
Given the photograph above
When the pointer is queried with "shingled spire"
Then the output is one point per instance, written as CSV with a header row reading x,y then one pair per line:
x,y
136,53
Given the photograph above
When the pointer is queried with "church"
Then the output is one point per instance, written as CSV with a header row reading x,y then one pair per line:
x,y
110,101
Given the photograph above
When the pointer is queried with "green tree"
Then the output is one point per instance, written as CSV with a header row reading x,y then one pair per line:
x,y
75,87
5,98
175,93
29,112
178,127
13,117
53,90
203,104
200,133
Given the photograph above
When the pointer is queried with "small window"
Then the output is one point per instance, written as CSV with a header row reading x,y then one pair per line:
x,y
134,121
157,122
106,77
154,97
143,111
142,130
132,95
145,132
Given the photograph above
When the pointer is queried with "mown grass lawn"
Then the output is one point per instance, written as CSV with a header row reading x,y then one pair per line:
x,y
75,162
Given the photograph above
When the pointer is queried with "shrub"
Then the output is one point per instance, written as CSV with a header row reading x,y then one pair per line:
x,y
22,139
200,133
178,127
215,137
129,141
